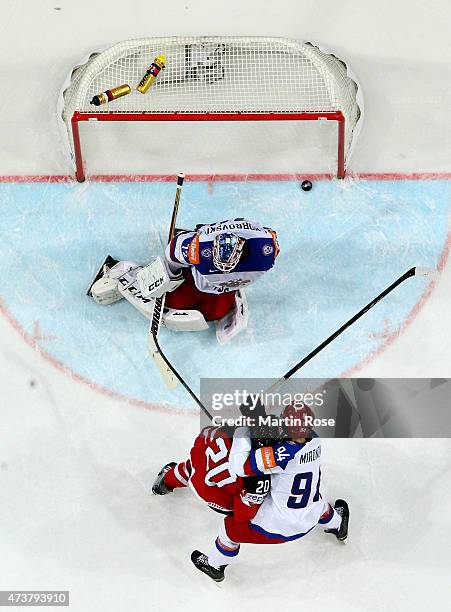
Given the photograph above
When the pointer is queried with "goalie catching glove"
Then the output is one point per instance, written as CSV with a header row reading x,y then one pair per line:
x,y
156,279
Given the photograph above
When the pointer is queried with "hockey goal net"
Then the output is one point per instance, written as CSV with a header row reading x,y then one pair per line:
x,y
214,79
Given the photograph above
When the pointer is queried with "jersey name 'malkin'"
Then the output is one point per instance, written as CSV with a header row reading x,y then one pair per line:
x,y
195,250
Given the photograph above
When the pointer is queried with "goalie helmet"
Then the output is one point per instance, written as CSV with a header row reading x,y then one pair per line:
x,y
227,250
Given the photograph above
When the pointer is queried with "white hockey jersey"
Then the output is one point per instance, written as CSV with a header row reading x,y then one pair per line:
x,y
294,505
194,250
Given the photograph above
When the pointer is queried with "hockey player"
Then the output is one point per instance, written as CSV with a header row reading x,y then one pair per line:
x,y
208,473
294,505
203,275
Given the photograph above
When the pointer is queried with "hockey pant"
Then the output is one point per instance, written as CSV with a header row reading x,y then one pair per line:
x,y
188,297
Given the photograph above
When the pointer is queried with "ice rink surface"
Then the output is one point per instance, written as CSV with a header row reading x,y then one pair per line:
x,y
341,245
85,420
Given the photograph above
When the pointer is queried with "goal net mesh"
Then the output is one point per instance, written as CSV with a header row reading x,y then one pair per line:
x,y
217,75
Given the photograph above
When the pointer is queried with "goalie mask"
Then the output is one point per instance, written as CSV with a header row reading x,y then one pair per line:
x,y
227,250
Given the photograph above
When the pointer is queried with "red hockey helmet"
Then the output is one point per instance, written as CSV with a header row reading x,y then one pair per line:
x,y
295,423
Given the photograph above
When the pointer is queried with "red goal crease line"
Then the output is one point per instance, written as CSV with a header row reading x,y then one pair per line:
x,y
209,178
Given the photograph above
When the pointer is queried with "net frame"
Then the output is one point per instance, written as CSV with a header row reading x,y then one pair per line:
x,y
216,79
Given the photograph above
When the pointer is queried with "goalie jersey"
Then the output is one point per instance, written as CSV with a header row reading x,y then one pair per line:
x,y
195,250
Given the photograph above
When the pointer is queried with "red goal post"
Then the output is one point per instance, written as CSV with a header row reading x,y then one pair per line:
x,y
215,79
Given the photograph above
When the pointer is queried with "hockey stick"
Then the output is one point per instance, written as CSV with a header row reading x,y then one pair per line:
x,y
178,377
416,271
168,373
167,370
412,272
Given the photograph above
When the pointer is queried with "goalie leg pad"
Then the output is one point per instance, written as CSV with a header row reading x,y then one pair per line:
x,y
129,289
105,287
105,291
234,321
184,320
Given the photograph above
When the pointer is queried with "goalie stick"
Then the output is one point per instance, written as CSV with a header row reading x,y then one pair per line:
x,y
168,373
178,377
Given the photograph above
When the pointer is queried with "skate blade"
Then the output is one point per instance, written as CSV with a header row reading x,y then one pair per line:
x,y
108,261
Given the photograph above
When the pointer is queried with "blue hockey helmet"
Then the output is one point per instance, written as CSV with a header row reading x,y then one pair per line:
x,y
227,250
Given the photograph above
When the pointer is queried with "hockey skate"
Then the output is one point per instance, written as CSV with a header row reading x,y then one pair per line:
x,y
343,510
159,487
201,562
107,265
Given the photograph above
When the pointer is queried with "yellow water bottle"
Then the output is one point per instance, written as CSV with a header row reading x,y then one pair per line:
x,y
151,74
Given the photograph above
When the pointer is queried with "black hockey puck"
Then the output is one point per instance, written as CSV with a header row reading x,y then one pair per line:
x,y
306,185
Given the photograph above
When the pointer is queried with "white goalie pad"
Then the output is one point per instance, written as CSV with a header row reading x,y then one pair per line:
x,y
120,281
154,280
122,267
129,289
105,291
184,320
234,321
